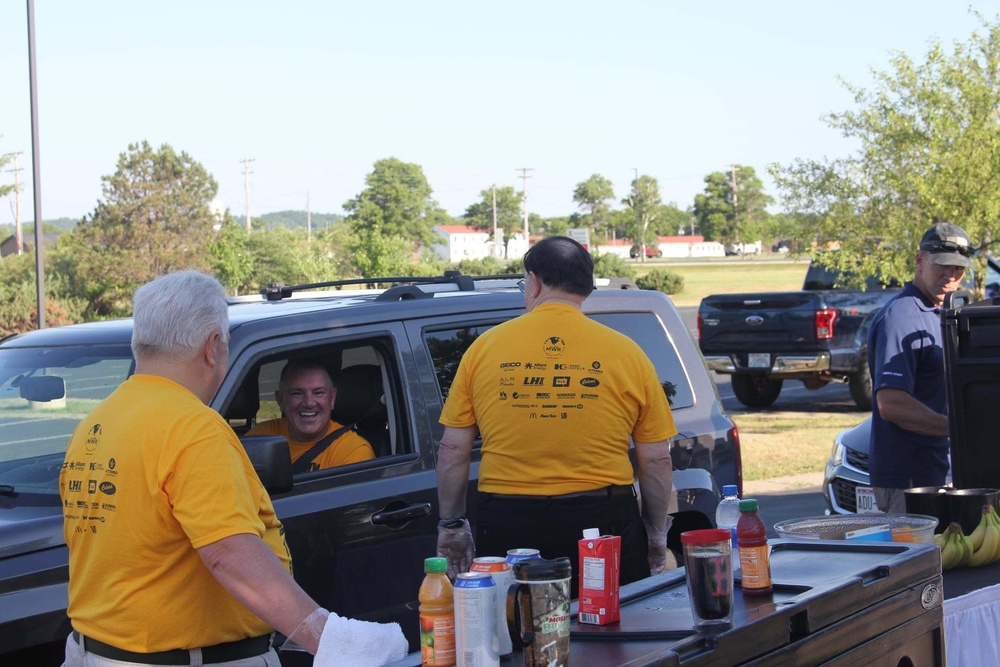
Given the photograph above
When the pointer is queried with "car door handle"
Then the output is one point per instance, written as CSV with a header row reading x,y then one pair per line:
x,y
402,514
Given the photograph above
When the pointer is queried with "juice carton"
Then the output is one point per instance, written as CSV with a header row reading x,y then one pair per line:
x,y
600,565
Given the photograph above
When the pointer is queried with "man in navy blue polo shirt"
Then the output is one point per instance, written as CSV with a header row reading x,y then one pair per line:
x,y
909,435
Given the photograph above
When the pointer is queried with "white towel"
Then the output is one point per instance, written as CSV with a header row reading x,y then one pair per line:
x,y
347,641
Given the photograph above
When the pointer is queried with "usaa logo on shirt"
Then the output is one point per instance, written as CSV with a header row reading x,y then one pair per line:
x,y
553,346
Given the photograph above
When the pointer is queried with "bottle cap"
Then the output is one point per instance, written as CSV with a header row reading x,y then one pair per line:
x,y
436,564
730,490
748,505
591,533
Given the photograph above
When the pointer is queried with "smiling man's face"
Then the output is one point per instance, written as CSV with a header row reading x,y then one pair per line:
x,y
306,399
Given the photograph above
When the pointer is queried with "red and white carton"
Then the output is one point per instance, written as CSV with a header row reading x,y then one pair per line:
x,y
600,566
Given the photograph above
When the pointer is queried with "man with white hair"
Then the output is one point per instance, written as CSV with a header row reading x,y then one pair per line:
x,y
175,553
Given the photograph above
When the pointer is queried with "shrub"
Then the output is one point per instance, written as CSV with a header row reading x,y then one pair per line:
x,y
611,266
662,280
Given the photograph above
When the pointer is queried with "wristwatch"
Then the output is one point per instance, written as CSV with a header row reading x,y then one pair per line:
x,y
457,522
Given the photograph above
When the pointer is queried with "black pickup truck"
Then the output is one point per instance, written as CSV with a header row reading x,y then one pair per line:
x,y
816,335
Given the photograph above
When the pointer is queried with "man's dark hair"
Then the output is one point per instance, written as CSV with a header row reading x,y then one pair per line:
x,y
561,263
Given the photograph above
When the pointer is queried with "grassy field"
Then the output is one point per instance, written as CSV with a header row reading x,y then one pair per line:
x,y
777,444
731,275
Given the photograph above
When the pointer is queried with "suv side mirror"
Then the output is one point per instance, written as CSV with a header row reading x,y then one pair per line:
x,y
272,461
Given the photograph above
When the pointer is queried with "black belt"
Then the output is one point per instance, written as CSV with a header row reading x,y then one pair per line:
x,y
604,492
237,650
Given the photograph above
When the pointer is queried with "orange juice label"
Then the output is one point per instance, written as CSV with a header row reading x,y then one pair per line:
x,y
437,641
755,567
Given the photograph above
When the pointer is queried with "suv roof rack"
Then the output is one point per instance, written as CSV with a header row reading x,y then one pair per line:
x,y
405,287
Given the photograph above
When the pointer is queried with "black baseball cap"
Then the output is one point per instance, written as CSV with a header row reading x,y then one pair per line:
x,y
948,245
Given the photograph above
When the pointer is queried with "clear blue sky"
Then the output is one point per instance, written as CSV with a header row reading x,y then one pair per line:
x,y
316,92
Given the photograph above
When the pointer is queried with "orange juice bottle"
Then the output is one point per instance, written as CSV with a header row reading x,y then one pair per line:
x,y
437,615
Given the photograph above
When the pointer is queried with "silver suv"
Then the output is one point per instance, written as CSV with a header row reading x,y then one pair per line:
x,y
358,533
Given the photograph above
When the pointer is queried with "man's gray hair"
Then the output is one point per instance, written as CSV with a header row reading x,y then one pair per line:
x,y
175,314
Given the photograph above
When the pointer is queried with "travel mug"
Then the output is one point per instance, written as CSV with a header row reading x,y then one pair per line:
x,y
538,611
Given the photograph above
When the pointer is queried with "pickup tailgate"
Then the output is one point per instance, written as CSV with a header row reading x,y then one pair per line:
x,y
758,322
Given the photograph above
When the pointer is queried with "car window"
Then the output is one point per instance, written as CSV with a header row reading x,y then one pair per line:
x,y
446,347
44,393
362,374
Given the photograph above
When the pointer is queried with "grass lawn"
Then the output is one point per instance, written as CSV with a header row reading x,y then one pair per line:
x,y
730,275
778,444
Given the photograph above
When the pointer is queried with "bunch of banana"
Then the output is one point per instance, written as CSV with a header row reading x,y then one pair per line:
x,y
981,547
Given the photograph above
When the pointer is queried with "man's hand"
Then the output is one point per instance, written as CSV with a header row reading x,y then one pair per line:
x,y
456,544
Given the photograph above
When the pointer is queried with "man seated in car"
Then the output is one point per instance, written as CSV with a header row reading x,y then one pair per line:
x,y
306,395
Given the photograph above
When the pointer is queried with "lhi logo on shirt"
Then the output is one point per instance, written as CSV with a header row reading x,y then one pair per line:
x,y
553,346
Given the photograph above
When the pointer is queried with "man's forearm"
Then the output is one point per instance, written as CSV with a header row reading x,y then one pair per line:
x,y
900,408
655,482
453,471
253,574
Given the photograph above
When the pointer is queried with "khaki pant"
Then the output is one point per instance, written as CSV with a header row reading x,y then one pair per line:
x,y
77,657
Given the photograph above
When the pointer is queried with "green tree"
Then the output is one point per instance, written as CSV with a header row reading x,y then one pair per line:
x,y
730,211
154,218
396,203
643,200
929,144
593,195
5,189
508,213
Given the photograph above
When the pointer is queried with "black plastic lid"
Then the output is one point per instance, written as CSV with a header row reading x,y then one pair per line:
x,y
542,569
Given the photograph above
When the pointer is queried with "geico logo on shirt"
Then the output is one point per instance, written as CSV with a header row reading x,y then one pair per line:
x,y
511,364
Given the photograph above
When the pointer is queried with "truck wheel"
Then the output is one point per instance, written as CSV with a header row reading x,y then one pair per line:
x,y
860,384
756,391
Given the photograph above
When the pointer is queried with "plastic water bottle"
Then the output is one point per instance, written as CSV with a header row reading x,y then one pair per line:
x,y
727,514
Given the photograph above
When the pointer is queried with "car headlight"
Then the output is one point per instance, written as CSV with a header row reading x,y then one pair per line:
x,y
837,455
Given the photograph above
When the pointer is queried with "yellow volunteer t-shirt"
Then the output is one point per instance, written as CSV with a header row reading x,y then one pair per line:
x,y
348,448
151,475
556,397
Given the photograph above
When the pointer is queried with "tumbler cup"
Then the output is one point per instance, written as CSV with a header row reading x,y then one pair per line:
x,y
708,561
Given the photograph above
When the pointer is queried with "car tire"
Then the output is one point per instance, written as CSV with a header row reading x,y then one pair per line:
x,y
756,391
860,385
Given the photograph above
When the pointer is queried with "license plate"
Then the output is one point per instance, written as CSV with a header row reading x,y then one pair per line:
x,y
759,360
864,496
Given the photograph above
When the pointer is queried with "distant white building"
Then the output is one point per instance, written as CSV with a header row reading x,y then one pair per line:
x,y
463,242
667,246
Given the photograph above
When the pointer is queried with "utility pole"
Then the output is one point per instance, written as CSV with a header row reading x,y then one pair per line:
x,y
17,203
36,169
641,240
524,198
496,248
734,195
246,185
309,220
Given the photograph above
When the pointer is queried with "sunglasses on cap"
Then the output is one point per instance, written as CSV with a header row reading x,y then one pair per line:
x,y
948,246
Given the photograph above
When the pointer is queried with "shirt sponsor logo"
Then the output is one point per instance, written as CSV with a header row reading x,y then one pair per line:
x,y
560,381
536,366
503,396
559,367
566,396
549,406
522,405
507,381
75,485
108,488
586,396
553,346
511,364
590,382
91,486
534,381
542,394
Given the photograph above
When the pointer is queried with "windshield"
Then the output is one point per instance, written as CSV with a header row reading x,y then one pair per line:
x,y
44,393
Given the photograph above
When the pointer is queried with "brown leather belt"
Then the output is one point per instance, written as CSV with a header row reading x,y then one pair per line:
x,y
604,492
225,652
